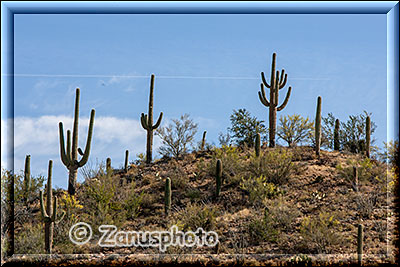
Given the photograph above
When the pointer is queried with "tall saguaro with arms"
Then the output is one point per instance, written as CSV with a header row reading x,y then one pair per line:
x,y
69,157
277,82
147,123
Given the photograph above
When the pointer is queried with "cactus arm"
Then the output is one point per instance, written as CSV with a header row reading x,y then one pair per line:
x,y
74,151
283,79
64,157
42,209
264,80
262,96
143,120
286,100
276,88
85,156
80,151
158,121
69,145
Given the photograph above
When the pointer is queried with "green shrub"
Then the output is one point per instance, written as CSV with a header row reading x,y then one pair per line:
x,y
276,165
132,203
295,129
284,213
195,216
262,229
320,234
244,128
259,189
231,161
30,239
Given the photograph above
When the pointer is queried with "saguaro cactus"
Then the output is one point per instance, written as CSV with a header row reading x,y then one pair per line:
x,y
355,178
147,123
49,214
258,144
126,160
27,178
203,141
108,165
218,177
336,143
69,156
277,82
318,127
167,203
360,244
368,136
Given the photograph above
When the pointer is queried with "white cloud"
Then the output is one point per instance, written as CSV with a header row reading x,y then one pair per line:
x,y
39,138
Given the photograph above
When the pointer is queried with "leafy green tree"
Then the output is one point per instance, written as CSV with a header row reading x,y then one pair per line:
x,y
294,129
244,128
177,136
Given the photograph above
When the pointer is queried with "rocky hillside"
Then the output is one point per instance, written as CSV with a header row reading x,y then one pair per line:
x,y
287,205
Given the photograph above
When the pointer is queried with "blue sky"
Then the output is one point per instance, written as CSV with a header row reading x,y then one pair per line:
x,y
205,65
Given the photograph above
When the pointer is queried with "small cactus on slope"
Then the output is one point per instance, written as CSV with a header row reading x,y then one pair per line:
x,y
336,143
368,136
203,141
69,156
167,203
108,165
218,177
126,160
49,214
318,127
277,82
258,144
147,123
27,178
360,243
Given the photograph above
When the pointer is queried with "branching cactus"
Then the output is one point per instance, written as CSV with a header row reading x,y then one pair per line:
x,y
336,143
126,160
147,123
318,127
49,214
27,178
360,244
368,136
203,141
258,144
167,203
218,177
69,156
277,82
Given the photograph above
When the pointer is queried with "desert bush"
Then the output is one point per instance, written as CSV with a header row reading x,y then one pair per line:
x,y
351,133
283,213
132,202
30,239
368,171
231,164
262,229
320,234
244,128
195,216
367,203
276,165
177,136
178,176
258,189
224,139
294,129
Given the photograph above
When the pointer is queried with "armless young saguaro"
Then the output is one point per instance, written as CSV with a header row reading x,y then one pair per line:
x,y
70,157
147,123
277,82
